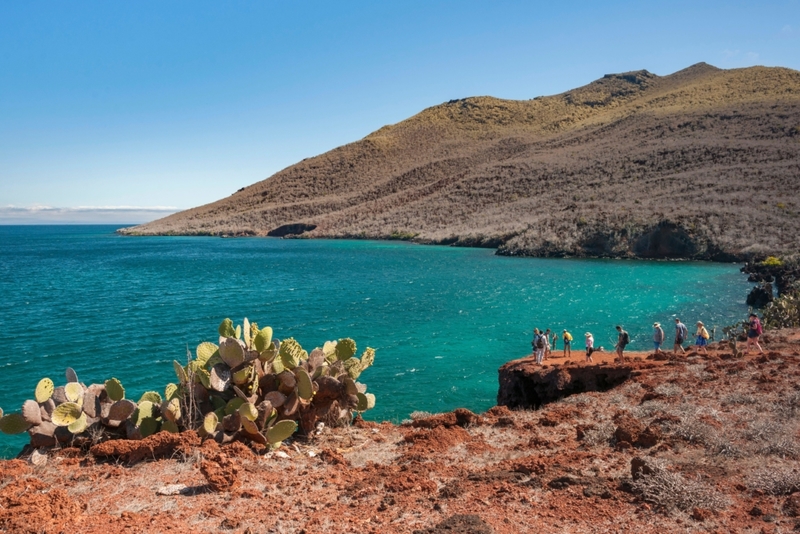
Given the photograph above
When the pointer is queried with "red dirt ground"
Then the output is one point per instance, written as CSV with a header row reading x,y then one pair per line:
x,y
722,427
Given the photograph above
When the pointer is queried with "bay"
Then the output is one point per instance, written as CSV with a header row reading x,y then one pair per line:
x,y
441,319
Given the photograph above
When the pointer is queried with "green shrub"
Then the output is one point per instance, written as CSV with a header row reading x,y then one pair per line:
x,y
772,261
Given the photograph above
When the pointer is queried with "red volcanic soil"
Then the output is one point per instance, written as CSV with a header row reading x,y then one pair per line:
x,y
688,444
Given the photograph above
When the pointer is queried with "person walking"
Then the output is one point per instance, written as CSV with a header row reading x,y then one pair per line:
x,y
681,333
554,344
702,338
539,345
622,341
567,338
754,334
589,347
547,343
658,337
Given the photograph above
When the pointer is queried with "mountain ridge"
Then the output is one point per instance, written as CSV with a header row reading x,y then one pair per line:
x,y
613,168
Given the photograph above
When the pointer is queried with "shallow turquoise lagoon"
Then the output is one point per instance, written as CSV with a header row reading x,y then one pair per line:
x,y
442,319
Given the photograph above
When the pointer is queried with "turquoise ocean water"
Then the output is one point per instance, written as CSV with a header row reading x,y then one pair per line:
x,y
442,319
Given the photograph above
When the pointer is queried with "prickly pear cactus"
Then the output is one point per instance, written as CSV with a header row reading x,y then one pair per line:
x,y
114,389
44,390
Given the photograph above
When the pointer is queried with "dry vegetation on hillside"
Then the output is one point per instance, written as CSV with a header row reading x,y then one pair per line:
x,y
701,163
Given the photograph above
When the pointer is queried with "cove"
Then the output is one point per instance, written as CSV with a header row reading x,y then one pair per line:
x,y
442,319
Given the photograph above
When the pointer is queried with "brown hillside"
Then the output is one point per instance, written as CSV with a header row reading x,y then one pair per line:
x,y
701,163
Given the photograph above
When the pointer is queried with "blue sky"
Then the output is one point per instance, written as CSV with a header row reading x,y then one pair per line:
x,y
125,111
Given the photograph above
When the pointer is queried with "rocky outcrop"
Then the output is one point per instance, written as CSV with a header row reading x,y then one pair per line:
x,y
524,384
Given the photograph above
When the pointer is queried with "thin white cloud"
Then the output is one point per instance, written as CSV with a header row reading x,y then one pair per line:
x,y
39,214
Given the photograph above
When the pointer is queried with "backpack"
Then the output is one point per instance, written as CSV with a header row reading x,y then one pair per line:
x,y
626,338
539,342
704,333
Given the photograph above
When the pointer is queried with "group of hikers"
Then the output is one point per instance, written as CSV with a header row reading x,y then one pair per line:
x,y
544,342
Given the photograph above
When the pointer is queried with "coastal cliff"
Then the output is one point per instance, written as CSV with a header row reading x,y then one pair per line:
x,y
702,164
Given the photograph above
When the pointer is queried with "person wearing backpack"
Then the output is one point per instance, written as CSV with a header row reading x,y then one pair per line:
x,y
702,338
754,333
681,333
539,345
622,341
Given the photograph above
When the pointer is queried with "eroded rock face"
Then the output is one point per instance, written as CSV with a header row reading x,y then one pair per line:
x,y
291,229
523,384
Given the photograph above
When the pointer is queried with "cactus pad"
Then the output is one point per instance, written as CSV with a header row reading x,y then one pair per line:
x,y
329,350
248,411
276,398
233,405
121,410
171,392
363,402
171,410
71,375
170,426
304,387
151,396
281,431
180,372
367,359
65,414
205,351
242,376
114,389
31,412
263,339
345,349
148,426
210,423
220,377
74,392
291,353
232,352
370,400
246,332
79,425
226,328
13,423
44,390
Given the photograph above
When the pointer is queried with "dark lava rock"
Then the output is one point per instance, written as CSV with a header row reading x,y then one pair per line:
x,y
461,523
760,295
523,384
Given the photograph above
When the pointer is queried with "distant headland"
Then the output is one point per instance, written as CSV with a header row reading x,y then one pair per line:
x,y
699,164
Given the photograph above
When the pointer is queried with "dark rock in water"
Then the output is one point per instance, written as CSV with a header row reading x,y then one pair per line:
x,y
291,229
760,295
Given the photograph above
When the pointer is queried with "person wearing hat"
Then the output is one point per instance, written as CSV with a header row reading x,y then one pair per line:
x,y
658,337
702,338
567,337
589,347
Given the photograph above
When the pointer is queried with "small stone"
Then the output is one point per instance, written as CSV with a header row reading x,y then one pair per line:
x,y
171,489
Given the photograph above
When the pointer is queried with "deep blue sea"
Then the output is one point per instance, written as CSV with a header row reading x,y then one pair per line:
x,y
442,319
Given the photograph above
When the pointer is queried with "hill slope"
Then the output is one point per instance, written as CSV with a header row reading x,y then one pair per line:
x,y
701,163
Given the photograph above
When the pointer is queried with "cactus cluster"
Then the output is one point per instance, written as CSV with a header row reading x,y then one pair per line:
x,y
250,387
74,410
259,388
